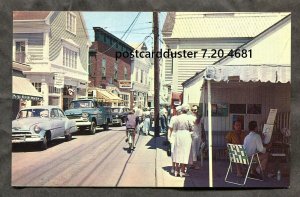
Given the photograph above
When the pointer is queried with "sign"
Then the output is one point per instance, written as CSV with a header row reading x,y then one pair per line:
x,y
125,84
272,116
59,80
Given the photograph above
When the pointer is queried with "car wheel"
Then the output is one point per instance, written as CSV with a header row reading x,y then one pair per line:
x,y
93,128
106,127
68,137
44,144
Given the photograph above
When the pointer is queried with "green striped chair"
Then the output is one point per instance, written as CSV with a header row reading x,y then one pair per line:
x,y
237,154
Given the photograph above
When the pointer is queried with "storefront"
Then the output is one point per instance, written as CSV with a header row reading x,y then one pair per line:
x,y
24,94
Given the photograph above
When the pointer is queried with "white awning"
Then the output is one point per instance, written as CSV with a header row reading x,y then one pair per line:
x,y
23,89
254,73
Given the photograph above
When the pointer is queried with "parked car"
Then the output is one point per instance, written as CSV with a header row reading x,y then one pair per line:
x,y
89,114
41,124
119,115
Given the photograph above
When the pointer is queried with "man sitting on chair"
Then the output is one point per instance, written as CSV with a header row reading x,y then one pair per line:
x,y
253,144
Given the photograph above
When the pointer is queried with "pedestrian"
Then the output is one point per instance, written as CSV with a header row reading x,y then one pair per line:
x,y
196,138
139,114
147,122
131,123
183,140
162,120
172,136
253,144
236,136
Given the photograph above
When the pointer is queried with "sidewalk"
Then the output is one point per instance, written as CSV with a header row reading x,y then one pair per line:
x,y
150,166
200,178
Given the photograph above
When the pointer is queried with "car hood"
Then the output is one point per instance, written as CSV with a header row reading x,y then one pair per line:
x,y
79,111
26,123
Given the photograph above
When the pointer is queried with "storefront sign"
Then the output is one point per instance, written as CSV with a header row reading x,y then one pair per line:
x,y
59,80
125,84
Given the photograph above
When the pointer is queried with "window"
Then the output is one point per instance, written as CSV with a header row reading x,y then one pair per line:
x,y
142,76
125,73
38,86
116,71
69,58
53,89
71,22
60,113
103,68
137,75
20,51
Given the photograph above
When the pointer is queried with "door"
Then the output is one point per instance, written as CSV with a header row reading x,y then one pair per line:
x,y
57,123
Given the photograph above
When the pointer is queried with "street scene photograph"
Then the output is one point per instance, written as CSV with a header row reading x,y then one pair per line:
x,y
151,99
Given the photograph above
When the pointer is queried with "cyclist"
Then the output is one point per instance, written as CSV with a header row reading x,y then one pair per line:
x,y
131,123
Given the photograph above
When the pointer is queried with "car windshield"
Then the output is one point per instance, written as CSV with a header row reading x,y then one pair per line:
x,y
40,112
81,104
116,110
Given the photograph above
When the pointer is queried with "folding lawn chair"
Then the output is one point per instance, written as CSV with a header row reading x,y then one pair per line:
x,y
237,154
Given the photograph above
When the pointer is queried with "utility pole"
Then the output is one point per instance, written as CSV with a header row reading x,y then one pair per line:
x,y
156,75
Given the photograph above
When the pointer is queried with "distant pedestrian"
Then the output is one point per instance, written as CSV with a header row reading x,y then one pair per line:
x,y
196,137
183,140
172,136
147,122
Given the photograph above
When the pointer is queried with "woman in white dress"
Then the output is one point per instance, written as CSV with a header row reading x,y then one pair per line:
x,y
183,140
171,136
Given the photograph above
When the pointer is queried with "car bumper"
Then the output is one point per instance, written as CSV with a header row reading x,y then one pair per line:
x,y
83,124
26,138
116,121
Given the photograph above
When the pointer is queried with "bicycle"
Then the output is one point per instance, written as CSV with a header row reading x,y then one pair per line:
x,y
130,139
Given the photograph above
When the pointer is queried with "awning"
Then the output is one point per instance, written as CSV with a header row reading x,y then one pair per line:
x,y
23,89
254,73
106,96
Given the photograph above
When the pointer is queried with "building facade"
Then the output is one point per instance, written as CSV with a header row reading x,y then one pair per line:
x,y
192,31
55,45
140,78
106,71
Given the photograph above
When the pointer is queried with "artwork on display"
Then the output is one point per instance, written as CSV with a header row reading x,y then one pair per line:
x,y
267,132
218,110
254,109
239,117
237,108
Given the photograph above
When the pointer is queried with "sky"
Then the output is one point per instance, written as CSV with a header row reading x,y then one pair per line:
x,y
118,22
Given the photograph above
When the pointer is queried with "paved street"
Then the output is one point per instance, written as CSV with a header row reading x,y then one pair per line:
x,y
86,160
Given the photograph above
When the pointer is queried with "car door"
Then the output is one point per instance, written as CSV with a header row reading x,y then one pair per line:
x,y
101,114
58,126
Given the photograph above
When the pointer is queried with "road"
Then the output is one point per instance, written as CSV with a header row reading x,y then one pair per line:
x,y
86,160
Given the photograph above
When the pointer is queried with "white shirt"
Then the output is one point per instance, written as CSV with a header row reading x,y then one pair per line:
x,y
253,144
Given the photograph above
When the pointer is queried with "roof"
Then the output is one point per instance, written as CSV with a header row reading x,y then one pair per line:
x,y
22,88
272,46
219,25
101,30
30,15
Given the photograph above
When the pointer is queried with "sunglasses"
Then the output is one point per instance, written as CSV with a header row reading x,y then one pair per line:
x,y
194,110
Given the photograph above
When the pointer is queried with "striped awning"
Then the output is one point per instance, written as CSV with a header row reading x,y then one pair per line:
x,y
105,96
23,89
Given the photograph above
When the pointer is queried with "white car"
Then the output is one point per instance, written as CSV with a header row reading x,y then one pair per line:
x,y
41,124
